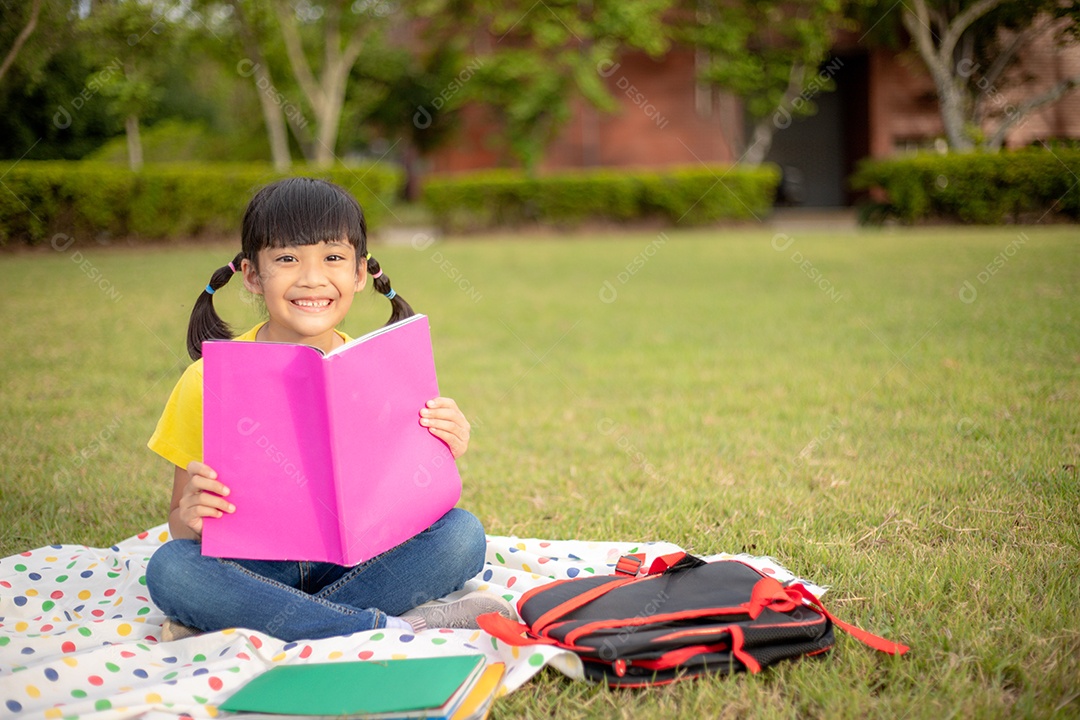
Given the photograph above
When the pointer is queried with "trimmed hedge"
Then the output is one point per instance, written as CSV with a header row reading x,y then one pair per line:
x,y
689,196
976,188
40,199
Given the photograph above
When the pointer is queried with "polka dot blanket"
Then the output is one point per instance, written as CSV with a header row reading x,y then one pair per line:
x,y
79,636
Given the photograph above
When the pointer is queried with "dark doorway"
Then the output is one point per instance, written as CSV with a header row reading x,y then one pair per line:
x,y
818,153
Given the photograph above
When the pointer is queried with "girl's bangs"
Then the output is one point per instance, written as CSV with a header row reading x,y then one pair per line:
x,y
302,211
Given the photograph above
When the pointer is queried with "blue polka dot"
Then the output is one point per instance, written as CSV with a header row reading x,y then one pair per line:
x,y
168,659
13,706
20,601
140,673
115,548
86,573
572,572
487,575
51,674
34,576
513,549
28,651
79,608
289,646
200,671
222,653
56,547
406,638
171,682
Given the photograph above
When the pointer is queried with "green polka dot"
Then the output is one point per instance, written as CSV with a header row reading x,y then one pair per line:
x,y
495,643
140,645
78,693
170,676
143,611
84,631
113,575
142,580
438,641
4,641
112,667
61,578
536,659
590,570
200,700
500,558
377,636
18,668
234,669
20,567
71,564
48,605
508,597
103,704
631,551
199,658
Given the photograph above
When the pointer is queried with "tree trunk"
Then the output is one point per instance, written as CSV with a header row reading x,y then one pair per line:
x,y
134,143
264,86
760,143
21,39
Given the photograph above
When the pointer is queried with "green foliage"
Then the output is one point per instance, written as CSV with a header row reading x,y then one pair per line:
x,y
977,187
162,201
688,196
179,141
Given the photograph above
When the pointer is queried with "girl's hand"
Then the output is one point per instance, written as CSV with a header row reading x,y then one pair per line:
x,y
202,496
445,421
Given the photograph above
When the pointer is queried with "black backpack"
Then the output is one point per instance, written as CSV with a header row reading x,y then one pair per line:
x,y
685,617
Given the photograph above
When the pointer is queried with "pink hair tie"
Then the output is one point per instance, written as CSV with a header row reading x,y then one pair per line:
x,y
377,275
232,267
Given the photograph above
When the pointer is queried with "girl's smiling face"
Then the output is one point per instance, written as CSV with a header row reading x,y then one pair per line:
x,y
308,290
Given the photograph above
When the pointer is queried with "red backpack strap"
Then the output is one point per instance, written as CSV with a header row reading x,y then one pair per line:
x,y
874,641
510,632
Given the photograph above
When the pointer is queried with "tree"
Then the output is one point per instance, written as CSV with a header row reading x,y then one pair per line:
x,y
137,40
971,49
767,53
28,24
529,61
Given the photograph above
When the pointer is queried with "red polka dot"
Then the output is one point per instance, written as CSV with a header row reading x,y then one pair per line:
x,y
365,654
57,594
5,583
256,642
110,592
142,535
67,647
46,628
97,613
95,680
306,652
545,544
543,560
215,683
127,654
26,554
447,631
768,571
243,656
511,581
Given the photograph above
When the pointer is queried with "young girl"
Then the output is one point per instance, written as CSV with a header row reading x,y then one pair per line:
x,y
304,250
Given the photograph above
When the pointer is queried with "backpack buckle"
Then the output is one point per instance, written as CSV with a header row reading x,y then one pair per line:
x,y
629,565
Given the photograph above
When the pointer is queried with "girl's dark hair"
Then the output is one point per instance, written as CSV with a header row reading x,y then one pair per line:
x,y
288,213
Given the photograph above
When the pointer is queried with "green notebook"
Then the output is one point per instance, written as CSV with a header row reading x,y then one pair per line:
x,y
410,687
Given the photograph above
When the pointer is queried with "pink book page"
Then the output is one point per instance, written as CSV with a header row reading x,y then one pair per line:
x,y
394,478
266,433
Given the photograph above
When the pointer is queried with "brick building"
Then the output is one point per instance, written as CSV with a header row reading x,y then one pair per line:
x,y
883,103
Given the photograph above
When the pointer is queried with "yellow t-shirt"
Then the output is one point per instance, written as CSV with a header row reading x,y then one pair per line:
x,y
178,436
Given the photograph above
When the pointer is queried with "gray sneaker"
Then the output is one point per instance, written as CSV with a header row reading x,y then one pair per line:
x,y
459,614
172,630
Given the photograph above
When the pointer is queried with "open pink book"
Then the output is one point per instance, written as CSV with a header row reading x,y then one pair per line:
x,y
324,455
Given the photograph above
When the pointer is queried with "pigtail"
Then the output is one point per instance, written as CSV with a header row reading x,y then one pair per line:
x,y
399,309
204,323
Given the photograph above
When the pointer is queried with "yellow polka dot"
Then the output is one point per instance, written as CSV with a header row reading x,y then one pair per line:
x,y
398,656
278,658
475,637
70,661
526,568
33,691
118,601
140,619
334,655
228,631
20,626
212,709
153,698
123,629
51,559
520,546
163,536
485,586
54,713
535,576
31,592
515,651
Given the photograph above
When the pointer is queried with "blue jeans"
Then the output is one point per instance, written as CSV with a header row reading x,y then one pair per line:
x,y
311,600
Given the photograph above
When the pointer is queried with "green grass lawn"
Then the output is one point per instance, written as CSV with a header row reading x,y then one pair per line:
x,y
844,403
